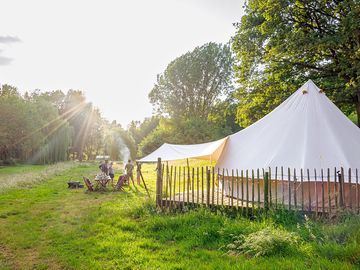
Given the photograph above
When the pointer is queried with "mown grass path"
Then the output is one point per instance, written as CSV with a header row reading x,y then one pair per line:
x,y
46,226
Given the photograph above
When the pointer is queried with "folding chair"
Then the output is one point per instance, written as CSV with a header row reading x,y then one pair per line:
x,y
120,183
88,184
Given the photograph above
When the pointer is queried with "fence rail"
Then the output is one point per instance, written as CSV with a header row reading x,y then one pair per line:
x,y
324,192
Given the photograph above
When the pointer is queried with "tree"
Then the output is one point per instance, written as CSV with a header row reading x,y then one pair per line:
x,y
31,129
280,44
117,142
193,82
139,130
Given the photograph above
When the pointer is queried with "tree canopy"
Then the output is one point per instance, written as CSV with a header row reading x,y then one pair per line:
x,y
46,127
280,44
193,82
194,99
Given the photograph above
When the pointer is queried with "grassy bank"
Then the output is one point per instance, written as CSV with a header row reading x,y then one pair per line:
x,y
46,226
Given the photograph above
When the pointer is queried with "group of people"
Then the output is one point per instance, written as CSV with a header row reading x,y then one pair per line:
x,y
107,168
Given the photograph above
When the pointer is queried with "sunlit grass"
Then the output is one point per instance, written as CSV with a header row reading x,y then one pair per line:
x,y
47,226
24,176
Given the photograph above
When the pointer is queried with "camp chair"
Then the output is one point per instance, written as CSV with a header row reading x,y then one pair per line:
x,y
120,183
88,184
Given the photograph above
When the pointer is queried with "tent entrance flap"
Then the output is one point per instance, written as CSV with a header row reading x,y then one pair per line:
x,y
168,152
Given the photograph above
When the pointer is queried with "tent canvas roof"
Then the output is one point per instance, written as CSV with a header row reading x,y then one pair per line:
x,y
306,131
167,152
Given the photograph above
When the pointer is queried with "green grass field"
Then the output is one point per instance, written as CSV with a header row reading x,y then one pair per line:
x,y
44,225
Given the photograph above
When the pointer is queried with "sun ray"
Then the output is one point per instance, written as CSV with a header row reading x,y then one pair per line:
x,y
65,116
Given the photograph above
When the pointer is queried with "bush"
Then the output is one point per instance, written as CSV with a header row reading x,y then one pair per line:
x,y
9,162
266,242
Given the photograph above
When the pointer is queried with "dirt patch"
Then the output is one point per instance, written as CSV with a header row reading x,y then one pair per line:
x,y
27,259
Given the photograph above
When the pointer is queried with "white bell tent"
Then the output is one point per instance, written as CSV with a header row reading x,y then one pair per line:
x,y
306,131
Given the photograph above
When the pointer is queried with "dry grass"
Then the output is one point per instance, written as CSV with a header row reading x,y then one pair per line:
x,y
20,176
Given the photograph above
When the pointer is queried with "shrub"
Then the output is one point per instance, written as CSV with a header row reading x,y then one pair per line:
x,y
310,231
266,242
9,162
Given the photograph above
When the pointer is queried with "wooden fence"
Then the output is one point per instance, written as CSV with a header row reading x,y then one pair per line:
x,y
324,192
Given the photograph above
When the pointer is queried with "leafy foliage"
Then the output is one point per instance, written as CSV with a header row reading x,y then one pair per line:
x,y
193,82
187,131
281,44
266,242
47,127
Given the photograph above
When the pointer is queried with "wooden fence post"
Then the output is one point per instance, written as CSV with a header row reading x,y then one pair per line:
x,y
266,191
158,183
207,186
349,194
341,198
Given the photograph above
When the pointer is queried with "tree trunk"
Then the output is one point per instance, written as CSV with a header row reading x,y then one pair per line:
x,y
357,106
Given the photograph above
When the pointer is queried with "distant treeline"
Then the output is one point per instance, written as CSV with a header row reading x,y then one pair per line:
x,y
47,127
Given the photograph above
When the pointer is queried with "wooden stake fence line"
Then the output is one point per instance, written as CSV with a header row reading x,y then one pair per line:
x,y
321,194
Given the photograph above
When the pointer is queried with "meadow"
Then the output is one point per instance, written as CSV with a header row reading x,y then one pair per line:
x,y
44,225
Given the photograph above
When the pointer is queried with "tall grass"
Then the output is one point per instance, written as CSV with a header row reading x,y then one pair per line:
x,y
20,177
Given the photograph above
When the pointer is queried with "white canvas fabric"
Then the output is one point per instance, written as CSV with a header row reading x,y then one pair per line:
x,y
306,131
167,152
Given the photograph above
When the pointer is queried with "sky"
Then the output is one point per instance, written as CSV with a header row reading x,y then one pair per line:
x,y
111,49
